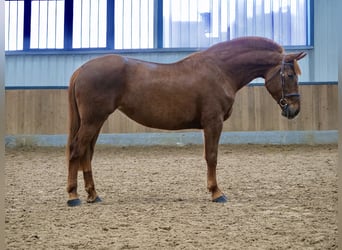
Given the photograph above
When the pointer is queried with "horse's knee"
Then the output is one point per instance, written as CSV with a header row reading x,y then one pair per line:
x,y
211,159
73,150
73,155
76,150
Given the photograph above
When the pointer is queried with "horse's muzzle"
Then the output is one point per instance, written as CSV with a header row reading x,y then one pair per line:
x,y
290,111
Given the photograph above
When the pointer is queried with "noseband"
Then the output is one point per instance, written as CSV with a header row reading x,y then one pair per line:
x,y
283,100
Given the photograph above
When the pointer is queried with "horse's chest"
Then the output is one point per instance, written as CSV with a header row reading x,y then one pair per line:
x,y
227,113
227,106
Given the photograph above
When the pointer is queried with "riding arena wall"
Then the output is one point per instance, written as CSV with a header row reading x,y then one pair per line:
x,y
37,106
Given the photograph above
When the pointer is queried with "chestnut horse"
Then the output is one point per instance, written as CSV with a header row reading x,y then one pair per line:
x,y
194,93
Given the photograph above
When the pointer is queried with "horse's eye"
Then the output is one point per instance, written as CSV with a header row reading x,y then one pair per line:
x,y
290,75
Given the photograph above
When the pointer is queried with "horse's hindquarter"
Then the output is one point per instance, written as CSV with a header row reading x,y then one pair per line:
x,y
170,96
99,86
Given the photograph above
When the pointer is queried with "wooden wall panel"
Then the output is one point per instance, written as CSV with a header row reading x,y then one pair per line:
x,y
46,112
36,111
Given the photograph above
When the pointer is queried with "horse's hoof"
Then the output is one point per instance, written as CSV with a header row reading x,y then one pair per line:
x,y
221,199
74,202
97,199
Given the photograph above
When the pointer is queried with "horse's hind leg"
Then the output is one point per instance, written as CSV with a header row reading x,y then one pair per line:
x,y
87,170
72,182
81,153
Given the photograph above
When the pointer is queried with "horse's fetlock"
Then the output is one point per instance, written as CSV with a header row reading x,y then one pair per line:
x,y
89,189
212,187
72,189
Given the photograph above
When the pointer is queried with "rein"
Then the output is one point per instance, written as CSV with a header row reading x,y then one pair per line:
x,y
283,101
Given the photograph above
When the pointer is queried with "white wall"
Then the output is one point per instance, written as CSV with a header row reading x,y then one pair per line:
x,y
320,65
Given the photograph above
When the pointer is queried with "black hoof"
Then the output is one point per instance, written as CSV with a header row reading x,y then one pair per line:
x,y
74,203
221,199
97,199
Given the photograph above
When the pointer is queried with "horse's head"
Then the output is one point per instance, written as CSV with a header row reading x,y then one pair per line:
x,y
282,83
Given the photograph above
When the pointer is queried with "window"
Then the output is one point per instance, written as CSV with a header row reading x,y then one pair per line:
x,y
142,24
133,24
89,24
47,29
196,23
14,28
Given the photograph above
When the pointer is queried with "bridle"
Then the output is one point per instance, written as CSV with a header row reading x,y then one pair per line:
x,y
283,103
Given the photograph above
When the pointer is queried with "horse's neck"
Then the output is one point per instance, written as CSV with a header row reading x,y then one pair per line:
x,y
243,66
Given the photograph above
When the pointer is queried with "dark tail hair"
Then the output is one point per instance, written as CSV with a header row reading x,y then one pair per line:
x,y
74,118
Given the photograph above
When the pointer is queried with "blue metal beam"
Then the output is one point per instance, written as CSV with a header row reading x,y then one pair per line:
x,y
110,24
27,25
158,24
310,23
68,23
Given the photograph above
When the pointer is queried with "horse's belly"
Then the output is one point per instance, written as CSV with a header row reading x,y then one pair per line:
x,y
155,101
162,117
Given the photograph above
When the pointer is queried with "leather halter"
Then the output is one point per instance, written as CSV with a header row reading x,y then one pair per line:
x,y
283,100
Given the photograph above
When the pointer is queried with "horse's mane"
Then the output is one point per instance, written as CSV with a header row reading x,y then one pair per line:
x,y
253,43
256,51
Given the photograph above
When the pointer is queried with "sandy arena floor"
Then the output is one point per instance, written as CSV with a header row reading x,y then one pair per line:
x,y
280,197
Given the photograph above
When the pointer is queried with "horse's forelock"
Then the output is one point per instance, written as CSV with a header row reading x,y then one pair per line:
x,y
296,67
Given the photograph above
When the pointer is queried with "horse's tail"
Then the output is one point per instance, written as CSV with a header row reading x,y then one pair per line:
x,y
74,118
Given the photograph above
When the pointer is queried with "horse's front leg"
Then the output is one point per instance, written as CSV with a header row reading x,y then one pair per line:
x,y
211,140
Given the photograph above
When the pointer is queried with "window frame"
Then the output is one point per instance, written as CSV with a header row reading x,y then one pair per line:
x,y
110,34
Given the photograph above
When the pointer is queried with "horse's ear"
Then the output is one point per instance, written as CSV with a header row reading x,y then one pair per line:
x,y
300,55
295,56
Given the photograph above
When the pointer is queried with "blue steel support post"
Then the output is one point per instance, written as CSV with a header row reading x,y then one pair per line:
x,y
158,24
310,23
27,24
110,24
68,23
